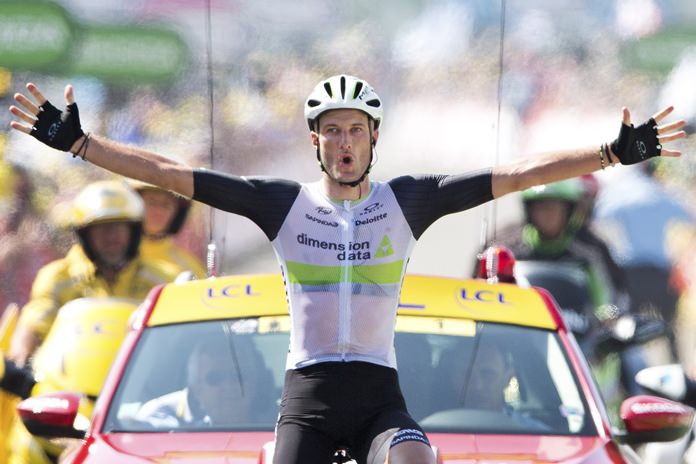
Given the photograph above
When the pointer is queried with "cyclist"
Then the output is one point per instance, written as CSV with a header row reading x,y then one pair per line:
x,y
107,220
165,214
343,244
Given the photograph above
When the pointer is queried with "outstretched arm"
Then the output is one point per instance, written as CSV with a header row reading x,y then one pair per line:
x,y
633,145
54,128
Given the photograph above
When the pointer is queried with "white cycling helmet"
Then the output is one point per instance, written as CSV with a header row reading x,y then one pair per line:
x,y
343,92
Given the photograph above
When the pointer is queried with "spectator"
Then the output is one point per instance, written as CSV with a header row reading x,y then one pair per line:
x,y
26,242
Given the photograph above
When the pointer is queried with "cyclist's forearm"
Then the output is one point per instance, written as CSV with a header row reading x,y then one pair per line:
x,y
544,169
137,163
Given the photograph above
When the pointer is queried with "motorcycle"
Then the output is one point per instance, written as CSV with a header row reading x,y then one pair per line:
x,y
75,356
609,337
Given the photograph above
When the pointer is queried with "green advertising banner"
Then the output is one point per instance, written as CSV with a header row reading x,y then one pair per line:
x,y
129,53
41,36
33,35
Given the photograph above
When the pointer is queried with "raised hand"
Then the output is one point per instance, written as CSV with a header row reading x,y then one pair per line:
x,y
40,119
636,144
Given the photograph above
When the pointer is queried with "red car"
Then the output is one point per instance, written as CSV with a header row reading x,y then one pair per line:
x,y
489,370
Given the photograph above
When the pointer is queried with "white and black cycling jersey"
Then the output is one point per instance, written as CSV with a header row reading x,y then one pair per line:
x,y
343,262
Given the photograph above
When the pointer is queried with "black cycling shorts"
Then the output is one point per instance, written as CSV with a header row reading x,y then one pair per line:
x,y
340,404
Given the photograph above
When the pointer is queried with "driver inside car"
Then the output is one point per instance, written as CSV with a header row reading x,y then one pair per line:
x,y
215,393
482,384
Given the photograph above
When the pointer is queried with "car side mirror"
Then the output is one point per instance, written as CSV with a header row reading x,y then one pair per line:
x,y
652,419
52,415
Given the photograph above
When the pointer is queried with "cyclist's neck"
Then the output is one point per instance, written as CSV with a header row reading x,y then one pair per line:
x,y
337,192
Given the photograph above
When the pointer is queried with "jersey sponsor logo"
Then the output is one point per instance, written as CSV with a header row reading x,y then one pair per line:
x,y
364,222
371,208
358,252
304,239
323,210
351,251
323,222
385,248
408,435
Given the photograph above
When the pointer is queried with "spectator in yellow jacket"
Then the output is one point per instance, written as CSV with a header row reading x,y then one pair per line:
x,y
107,219
165,215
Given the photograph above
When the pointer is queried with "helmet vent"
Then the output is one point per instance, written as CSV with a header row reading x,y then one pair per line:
x,y
375,103
343,87
327,86
358,88
313,103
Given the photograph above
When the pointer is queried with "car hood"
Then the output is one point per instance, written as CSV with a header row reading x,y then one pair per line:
x,y
173,448
498,449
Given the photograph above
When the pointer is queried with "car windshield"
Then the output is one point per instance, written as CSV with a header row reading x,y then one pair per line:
x,y
457,376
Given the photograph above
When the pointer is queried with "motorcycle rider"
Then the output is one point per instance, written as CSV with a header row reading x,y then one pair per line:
x,y
165,214
556,229
107,220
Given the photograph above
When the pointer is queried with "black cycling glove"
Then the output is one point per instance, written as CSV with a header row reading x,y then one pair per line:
x,y
58,129
636,144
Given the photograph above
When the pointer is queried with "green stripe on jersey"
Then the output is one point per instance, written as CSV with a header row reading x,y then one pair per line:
x,y
311,274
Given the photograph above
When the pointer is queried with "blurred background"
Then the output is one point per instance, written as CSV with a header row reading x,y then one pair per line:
x,y
466,84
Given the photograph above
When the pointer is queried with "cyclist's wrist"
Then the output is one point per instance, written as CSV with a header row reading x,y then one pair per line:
x,y
78,143
82,147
